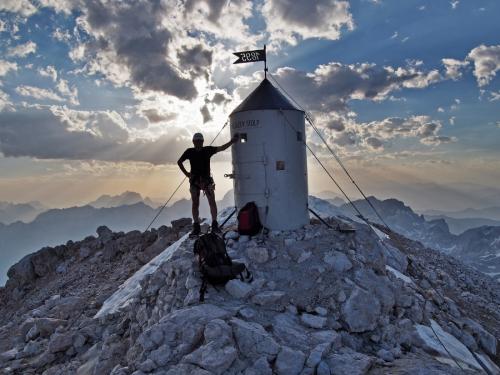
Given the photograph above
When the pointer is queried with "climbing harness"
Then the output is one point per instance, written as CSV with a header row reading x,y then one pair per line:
x,y
182,182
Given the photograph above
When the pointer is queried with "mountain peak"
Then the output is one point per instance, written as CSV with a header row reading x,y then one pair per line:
x,y
355,308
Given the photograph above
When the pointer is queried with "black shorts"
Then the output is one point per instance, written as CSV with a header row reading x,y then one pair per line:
x,y
198,183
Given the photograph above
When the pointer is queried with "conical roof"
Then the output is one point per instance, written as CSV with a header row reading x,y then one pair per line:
x,y
265,96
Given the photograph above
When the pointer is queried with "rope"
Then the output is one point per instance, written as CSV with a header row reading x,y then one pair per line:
x,y
352,203
449,354
183,180
339,161
324,168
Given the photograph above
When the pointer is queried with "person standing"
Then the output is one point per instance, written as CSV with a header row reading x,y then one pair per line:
x,y
200,177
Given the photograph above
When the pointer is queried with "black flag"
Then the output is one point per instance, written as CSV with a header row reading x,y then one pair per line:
x,y
250,56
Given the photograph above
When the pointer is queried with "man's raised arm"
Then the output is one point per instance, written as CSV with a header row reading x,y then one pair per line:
x,y
226,145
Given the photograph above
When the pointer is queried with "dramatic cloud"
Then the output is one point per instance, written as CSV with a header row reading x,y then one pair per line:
x,y
154,115
23,7
486,61
22,50
290,21
6,66
38,93
329,87
60,133
140,57
454,68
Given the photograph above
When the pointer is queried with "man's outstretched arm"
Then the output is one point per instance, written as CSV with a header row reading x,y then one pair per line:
x,y
228,144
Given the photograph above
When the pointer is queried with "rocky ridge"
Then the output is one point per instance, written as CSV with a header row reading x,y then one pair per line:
x,y
322,302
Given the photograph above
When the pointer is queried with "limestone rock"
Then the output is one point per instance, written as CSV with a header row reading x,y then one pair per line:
x,y
313,321
289,361
238,288
253,340
317,354
268,298
259,367
258,254
338,261
361,311
212,358
349,362
60,342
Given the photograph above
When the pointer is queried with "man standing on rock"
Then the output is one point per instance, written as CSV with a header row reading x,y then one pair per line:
x,y
200,177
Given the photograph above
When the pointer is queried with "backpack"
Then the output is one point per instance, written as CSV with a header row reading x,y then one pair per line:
x,y
248,220
215,265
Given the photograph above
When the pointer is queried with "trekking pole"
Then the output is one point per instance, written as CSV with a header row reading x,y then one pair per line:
x,y
227,218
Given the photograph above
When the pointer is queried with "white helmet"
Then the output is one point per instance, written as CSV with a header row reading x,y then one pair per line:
x,y
198,137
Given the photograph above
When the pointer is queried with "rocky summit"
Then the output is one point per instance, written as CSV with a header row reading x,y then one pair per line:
x,y
321,302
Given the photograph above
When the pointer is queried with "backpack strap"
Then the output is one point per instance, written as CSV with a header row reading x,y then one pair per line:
x,y
203,289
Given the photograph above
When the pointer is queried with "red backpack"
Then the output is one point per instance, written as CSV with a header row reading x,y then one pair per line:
x,y
248,220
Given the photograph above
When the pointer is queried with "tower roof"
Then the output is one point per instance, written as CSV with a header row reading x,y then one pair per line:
x,y
265,96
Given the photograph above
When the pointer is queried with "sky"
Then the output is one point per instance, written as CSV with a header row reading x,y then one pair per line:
x,y
99,97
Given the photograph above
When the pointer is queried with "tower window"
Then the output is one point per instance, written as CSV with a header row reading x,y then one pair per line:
x,y
280,165
243,137
300,138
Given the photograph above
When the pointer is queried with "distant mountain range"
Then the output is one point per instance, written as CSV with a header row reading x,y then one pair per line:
x,y
458,226
478,246
56,226
492,213
126,198
12,212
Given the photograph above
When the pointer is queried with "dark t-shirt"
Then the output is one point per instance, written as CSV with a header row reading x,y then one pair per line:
x,y
199,160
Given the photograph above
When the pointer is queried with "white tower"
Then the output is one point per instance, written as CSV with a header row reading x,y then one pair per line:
x,y
269,161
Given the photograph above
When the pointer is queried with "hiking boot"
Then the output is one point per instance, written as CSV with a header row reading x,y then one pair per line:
x,y
196,229
215,227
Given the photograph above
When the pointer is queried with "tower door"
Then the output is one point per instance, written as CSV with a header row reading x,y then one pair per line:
x,y
249,171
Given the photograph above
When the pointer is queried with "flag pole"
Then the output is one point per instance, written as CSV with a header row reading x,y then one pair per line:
x,y
265,62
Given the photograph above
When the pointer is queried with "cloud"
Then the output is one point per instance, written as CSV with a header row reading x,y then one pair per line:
x,y
23,7
494,96
154,115
453,68
6,66
421,127
48,71
205,112
374,143
290,21
486,61
61,133
38,93
331,86
61,35
22,50
454,4
4,101
142,57
71,93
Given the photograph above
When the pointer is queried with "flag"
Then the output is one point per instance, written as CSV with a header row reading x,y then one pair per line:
x,y
250,56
